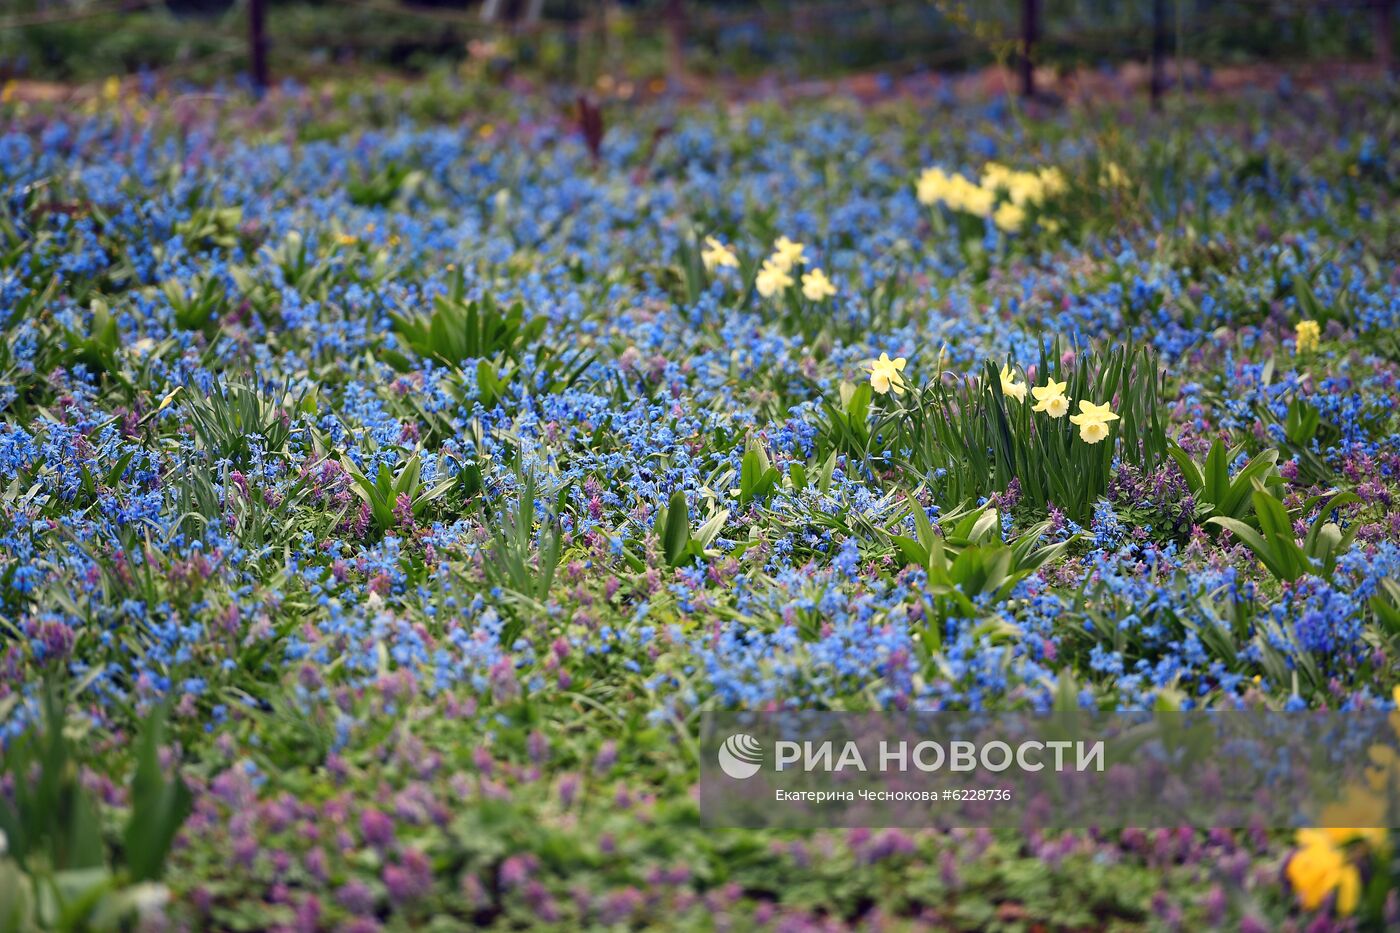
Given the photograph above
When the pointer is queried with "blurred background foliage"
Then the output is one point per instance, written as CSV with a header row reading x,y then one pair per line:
x,y
578,41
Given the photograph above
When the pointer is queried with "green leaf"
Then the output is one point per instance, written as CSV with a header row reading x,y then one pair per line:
x,y
923,528
710,530
1276,565
676,534
1189,471
828,469
407,482
912,551
158,807
1258,468
1216,474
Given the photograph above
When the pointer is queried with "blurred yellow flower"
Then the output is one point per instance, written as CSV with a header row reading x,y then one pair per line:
x,y
1001,193
816,286
885,374
1020,187
771,279
1308,335
1394,717
975,199
932,186
1318,868
1363,810
1052,181
1009,217
7,94
995,175
1050,398
112,88
787,254
716,255
1385,764
1112,176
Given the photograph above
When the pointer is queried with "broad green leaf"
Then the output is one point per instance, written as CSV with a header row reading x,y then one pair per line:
x,y
676,534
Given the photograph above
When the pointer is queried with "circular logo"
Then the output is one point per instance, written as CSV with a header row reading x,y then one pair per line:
x,y
740,756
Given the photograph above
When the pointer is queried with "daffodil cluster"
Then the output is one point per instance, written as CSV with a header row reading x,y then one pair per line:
x,y
775,276
1003,194
1050,399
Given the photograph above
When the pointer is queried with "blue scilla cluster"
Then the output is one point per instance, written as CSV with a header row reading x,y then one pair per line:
x,y
433,475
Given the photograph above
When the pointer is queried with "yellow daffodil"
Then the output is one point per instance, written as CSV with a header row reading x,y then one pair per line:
x,y
885,374
1307,334
1092,421
1010,387
1001,193
771,279
787,254
1112,176
1050,398
1394,718
7,94
978,200
112,88
1092,432
1021,187
994,174
1088,411
1026,189
932,186
1009,217
816,286
716,255
1318,868
1362,808
968,198
1052,181
1385,765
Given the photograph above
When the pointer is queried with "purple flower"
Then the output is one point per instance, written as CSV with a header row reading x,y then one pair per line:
x,y
377,828
538,746
356,897
516,869
606,758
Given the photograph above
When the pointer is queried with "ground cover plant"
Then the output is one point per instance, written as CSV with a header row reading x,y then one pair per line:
x,y
390,476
